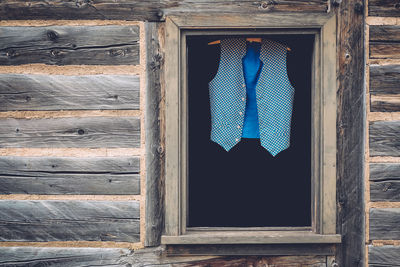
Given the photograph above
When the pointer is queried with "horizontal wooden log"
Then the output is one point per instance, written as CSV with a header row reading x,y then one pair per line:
x,y
61,175
384,41
64,256
384,181
71,257
65,45
384,79
384,138
384,33
383,256
57,220
385,103
55,92
383,8
145,10
384,224
384,50
91,132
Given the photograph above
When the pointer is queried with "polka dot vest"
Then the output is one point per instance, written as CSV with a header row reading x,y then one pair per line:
x,y
274,96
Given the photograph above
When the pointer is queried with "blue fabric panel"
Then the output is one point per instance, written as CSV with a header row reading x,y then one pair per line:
x,y
251,69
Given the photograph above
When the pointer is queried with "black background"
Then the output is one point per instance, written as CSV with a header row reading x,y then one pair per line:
x,y
247,187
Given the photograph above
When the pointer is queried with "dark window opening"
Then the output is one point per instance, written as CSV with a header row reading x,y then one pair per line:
x,y
247,187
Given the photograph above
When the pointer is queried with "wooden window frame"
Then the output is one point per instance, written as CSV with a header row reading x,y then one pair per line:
x,y
323,150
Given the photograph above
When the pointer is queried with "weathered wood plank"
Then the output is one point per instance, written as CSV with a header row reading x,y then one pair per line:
x,y
58,220
71,257
385,103
145,10
384,50
154,155
383,256
156,257
61,175
384,138
350,137
64,45
64,256
384,41
252,250
384,224
384,181
383,8
382,33
384,79
55,92
91,132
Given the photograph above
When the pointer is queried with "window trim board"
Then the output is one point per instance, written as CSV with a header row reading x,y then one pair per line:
x,y
323,120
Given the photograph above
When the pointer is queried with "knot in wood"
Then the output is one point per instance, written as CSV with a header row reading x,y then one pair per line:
x,y
359,8
82,3
347,58
28,98
81,132
267,5
155,64
386,187
52,35
55,53
11,53
117,52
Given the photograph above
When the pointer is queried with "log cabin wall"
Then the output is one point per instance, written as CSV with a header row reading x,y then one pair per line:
x,y
383,115
81,136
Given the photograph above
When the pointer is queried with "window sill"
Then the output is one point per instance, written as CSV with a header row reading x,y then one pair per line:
x,y
250,237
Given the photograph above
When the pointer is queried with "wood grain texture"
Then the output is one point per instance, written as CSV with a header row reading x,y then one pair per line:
x,y
61,175
151,257
350,136
145,10
384,41
384,181
384,79
383,256
383,8
385,103
57,257
55,92
57,220
382,33
92,132
72,257
65,45
154,149
384,224
384,138
252,250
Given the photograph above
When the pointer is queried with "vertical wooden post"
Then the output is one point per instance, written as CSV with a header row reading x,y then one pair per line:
x,y
350,134
154,150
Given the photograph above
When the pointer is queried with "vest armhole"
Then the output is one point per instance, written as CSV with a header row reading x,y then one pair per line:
x,y
286,68
218,68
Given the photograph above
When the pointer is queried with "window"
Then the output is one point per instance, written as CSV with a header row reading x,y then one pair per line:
x,y
306,215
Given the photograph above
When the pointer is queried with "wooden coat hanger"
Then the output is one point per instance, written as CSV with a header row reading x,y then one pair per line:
x,y
256,40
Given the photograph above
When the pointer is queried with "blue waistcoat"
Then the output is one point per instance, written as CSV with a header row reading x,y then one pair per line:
x,y
274,96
